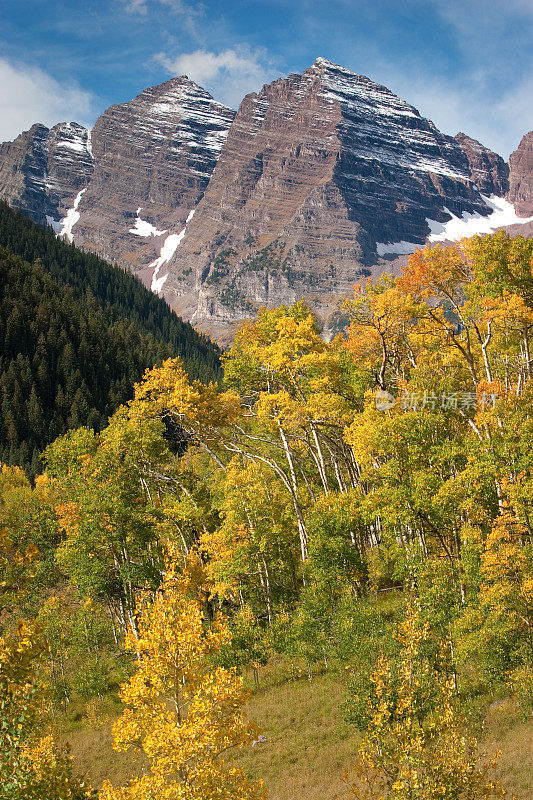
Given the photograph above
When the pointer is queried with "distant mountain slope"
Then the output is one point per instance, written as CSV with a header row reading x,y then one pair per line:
x,y
43,169
75,334
153,157
521,183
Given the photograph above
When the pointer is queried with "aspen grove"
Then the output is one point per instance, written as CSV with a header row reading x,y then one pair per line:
x,y
363,504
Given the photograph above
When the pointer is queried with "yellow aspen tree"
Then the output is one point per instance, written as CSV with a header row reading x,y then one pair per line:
x,y
506,601
180,710
33,765
415,746
382,316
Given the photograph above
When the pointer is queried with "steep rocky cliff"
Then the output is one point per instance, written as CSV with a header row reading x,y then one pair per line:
x,y
319,172
43,169
320,178
153,158
521,176
488,170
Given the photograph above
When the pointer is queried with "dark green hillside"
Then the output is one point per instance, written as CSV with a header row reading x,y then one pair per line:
x,y
119,293
75,334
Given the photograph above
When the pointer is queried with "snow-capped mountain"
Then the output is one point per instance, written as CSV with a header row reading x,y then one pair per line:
x,y
153,158
321,175
318,179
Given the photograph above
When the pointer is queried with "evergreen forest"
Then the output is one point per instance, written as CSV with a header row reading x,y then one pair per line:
x,y
76,333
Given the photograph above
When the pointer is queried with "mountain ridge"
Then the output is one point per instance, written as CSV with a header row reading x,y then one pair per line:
x,y
315,180
43,169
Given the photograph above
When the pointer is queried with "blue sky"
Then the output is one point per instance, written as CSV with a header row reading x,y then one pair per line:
x,y
466,64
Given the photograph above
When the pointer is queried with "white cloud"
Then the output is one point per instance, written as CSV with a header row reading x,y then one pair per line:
x,y
473,19
228,75
188,14
30,95
515,112
497,124
138,6
141,6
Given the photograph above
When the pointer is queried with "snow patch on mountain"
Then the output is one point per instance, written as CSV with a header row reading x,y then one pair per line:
x,y
170,245
90,143
144,228
74,144
73,215
503,213
157,283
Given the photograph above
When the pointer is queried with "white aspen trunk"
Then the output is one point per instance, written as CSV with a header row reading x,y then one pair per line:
x,y
526,351
299,516
320,463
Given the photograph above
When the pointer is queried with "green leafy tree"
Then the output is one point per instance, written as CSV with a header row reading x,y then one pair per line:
x,y
416,746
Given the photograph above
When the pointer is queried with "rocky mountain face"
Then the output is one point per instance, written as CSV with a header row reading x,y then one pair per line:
x,y
319,179
42,171
318,173
521,181
153,158
488,170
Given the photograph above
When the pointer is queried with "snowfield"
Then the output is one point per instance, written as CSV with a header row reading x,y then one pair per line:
x,y
73,215
502,213
144,228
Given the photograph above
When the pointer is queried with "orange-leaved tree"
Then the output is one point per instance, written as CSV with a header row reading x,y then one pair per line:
x,y
382,317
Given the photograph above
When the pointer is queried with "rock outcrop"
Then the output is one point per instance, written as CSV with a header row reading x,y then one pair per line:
x,y
488,170
43,169
318,171
153,158
521,176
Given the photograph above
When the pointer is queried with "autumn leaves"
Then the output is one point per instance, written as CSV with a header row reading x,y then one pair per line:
x,y
211,527
183,712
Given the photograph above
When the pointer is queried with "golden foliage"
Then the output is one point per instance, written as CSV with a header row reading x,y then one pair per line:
x,y
415,747
182,711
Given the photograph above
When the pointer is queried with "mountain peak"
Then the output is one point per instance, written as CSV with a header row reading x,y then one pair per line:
x,y
154,156
320,61
488,170
521,185
43,169
175,90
